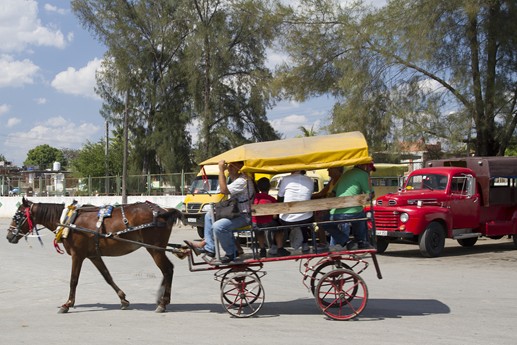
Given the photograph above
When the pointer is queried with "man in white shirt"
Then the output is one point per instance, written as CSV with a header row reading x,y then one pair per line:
x,y
297,187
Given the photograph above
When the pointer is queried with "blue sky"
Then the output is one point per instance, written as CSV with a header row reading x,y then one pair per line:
x,y
47,79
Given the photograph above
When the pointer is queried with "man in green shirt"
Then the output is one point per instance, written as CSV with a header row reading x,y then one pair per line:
x,y
353,182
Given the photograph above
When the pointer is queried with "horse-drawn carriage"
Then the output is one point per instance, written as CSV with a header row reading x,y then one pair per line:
x,y
333,277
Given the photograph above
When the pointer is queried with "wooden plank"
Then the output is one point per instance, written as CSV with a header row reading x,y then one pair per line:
x,y
309,205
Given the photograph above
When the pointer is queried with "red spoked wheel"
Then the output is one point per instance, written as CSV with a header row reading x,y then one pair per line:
x,y
242,295
341,294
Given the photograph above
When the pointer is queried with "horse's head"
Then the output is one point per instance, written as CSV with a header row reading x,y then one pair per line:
x,y
22,223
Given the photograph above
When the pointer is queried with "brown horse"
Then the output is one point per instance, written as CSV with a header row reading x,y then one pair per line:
x,y
128,228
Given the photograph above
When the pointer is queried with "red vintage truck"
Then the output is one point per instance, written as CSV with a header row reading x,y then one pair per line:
x,y
460,198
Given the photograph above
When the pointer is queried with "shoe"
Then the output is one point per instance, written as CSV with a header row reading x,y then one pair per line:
x,y
365,245
283,252
352,246
336,248
227,259
195,248
273,250
262,253
321,248
305,248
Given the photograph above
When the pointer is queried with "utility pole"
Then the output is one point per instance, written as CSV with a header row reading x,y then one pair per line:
x,y
106,161
124,160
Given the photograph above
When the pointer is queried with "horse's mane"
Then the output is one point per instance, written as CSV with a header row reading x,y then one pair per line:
x,y
51,212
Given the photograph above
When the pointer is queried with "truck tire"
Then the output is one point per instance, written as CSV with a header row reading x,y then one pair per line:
x,y
432,240
468,242
201,231
382,244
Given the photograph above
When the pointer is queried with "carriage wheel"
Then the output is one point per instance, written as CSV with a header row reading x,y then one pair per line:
x,y
233,272
242,295
341,294
323,269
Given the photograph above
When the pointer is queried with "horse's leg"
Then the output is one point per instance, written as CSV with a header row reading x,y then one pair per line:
x,y
77,263
99,263
167,268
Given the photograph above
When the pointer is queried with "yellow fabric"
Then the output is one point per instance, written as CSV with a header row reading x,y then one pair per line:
x,y
307,153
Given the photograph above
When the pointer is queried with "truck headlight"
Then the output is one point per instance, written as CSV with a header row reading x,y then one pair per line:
x,y
369,215
205,208
404,217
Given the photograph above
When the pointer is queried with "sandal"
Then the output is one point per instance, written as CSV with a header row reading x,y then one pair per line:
x,y
194,248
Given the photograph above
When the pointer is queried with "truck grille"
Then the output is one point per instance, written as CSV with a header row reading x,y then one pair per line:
x,y
193,207
386,220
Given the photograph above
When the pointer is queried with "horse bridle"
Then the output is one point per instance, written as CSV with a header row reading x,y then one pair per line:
x,y
19,218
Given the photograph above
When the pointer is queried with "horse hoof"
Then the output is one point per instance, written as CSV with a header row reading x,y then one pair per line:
x,y
63,310
160,309
124,306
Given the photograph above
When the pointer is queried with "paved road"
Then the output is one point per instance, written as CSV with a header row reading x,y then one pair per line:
x,y
467,296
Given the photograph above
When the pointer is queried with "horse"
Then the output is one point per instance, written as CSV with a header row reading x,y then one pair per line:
x,y
93,234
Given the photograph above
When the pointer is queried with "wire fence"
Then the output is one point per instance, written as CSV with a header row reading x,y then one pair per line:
x,y
58,184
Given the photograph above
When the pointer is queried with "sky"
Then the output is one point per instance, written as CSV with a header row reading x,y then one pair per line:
x,y
47,78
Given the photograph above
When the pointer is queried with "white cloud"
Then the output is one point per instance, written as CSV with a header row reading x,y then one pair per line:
x,y
4,108
16,73
52,8
13,121
289,125
20,27
57,132
430,85
78,81
40,100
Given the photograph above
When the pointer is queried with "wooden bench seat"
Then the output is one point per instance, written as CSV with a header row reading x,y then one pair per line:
x,y
309,205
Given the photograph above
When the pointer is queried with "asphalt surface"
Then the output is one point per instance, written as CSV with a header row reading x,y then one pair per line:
x,y
467,296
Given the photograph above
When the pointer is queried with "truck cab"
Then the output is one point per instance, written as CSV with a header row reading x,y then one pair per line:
x,y
203,191
455,198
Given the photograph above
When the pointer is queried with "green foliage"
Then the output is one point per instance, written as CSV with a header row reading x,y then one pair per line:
x,y
44,157
91,159
174,64
415,69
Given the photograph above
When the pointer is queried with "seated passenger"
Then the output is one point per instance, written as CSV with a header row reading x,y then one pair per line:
x,y
297,187
242,188
262,197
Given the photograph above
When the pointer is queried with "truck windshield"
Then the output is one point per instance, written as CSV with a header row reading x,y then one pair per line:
x,y
427,181
204,186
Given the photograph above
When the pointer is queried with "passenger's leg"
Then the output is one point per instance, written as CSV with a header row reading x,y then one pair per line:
x,y
209,234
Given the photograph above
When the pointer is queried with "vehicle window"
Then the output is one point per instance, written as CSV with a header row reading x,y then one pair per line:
x,y
459,185
428,181
203,186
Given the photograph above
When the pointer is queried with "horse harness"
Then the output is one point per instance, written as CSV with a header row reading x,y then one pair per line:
x,y
70,215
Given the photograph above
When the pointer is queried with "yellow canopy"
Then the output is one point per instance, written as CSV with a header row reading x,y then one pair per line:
x,y
306,153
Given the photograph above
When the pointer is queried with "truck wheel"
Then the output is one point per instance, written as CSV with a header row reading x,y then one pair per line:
x,y
201,231
515,240
382,244
468,242
432,241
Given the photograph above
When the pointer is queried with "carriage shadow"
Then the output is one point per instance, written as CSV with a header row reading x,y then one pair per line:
x,y
376,310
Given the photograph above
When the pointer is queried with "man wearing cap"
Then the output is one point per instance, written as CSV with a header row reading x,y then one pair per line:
x,y
353,182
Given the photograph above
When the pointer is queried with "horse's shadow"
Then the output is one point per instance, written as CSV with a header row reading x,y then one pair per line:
x,y
377,309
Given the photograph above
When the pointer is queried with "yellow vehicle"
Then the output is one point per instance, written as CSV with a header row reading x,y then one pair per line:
x,y
388,178
203,191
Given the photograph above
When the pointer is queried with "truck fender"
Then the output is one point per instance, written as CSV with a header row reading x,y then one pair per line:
x,y
442,216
